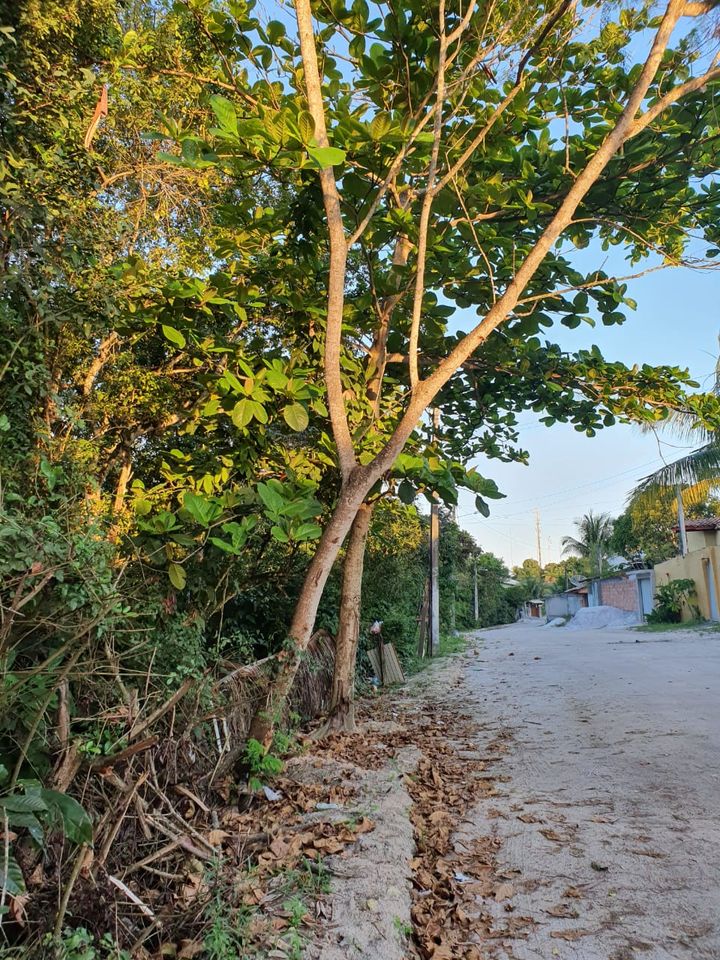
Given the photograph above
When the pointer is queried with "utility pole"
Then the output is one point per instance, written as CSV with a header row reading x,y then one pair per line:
x,y
435,561
475,593
681,521
537,534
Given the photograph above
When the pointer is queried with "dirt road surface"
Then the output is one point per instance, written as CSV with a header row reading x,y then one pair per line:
x,y
610,816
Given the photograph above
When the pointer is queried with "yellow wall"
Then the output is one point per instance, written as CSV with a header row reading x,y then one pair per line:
x,y
698,539
690,567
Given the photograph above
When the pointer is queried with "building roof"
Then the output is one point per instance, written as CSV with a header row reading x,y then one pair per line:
x,y
704,523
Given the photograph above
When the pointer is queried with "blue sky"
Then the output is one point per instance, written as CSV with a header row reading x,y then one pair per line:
x,y
677,322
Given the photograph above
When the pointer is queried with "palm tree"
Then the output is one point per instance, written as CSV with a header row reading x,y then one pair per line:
x,y
697,473
592,542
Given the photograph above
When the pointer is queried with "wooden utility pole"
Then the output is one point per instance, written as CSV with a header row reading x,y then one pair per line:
x,y
435,561
681,521
475,593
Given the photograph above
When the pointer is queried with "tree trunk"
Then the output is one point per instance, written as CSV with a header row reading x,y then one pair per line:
x,y
123,481
341,715
287,662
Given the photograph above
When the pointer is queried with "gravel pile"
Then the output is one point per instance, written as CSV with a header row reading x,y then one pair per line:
x,y
598,618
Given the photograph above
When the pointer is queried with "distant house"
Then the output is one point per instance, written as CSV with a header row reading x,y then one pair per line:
x,y
701,563
567,603
534,609
631,591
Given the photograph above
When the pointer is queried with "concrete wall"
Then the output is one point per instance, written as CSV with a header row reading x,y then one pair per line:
x,y
563,605
699,539
620,592
557,607
690,567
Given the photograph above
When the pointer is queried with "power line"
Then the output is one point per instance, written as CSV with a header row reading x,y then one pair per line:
x,y
560,493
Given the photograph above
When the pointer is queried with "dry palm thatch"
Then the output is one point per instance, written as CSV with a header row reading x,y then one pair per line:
x,y
245,686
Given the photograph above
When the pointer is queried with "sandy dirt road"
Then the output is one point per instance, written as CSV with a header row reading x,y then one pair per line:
x,y
610,813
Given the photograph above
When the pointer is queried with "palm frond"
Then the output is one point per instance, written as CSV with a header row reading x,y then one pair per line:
x,y
573,545
684,423
700,466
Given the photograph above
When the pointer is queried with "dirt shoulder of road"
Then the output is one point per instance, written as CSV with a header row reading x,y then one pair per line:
x,y
416,884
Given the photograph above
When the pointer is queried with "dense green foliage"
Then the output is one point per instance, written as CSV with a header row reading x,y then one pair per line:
x,y
167,463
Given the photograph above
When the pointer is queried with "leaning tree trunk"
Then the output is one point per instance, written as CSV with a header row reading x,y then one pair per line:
x,y
303,622
341,714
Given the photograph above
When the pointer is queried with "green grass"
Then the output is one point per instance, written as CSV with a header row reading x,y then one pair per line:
x,y
701,625
450,644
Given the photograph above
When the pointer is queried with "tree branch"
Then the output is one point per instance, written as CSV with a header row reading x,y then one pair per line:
x,y
427,204
652,113
423,396
338,246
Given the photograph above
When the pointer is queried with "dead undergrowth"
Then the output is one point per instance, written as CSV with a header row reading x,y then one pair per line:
x,y
182,866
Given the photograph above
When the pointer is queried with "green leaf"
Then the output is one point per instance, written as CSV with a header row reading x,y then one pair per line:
x,y
276,379
325,157
275,31
407,492
296,417
202,511
482,507
271,498
380,125
225,112
11,878
307,531
173,335
178,577
242,413
258,411
23,803
32,824
306,126
52,474
76,823
279,534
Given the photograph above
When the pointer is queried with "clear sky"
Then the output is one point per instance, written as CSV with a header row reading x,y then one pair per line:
x,y
677,322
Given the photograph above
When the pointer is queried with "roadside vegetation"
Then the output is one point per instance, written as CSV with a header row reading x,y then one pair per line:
x,y
236,280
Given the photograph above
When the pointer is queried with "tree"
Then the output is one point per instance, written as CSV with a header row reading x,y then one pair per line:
x,y
452,190
592,541
648,527
447,135
698,472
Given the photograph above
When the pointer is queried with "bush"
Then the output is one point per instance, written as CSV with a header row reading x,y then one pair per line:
x,y
669,601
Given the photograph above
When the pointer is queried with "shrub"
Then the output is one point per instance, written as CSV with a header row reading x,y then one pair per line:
x,y
669,600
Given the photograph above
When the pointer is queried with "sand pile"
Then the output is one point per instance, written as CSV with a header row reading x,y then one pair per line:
x,y
598,618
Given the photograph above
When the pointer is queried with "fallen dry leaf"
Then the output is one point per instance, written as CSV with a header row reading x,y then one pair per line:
x,y
563,911
570,934
504,892
216,837
553,835
190,949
